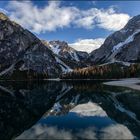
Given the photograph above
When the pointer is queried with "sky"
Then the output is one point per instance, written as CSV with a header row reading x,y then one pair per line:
x,y
83,24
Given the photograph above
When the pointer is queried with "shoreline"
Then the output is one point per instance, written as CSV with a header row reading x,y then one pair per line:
x,y
128,82
124,82
58,79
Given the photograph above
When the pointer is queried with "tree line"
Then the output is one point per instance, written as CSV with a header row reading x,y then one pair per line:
x,y
110,71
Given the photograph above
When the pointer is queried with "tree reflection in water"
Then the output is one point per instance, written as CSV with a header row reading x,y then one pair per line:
x,y
86,109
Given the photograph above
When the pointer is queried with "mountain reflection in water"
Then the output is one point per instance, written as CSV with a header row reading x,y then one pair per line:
x,y
61,110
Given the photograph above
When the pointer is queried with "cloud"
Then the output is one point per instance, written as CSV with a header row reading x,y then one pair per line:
x,y
37,19
116,131
40,131
103,18
55,15
89,109
111,20
3,11
43,131
87,45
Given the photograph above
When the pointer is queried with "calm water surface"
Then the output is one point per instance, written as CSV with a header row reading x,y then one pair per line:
x,y
68,110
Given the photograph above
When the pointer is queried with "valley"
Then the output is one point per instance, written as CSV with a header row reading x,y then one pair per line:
x,y
23,56
69,70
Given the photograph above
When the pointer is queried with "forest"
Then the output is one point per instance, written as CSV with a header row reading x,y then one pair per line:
x,y
109,71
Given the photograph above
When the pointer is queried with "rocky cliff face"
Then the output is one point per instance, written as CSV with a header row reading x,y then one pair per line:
x,y
123,45
62,49
70,56
23,51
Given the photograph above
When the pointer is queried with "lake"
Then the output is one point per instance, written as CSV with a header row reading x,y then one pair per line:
x,y
68,110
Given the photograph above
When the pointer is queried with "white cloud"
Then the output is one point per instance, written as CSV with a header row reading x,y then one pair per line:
x,y
89,109
37,19
116,131
3,11
111,20
87,45
43,131
55,15
103,18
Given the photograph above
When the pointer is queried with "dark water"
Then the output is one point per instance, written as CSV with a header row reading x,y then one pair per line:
x,y
68,110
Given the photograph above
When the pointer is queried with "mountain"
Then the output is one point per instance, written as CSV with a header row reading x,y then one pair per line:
x,y
62,49
23,55
123,45
68,55
118,57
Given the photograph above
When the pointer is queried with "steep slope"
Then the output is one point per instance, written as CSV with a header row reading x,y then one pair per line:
x,y
21,51
62,49
123,45
68,55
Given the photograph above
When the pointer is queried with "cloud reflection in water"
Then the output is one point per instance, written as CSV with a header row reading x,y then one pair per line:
x,y
110,131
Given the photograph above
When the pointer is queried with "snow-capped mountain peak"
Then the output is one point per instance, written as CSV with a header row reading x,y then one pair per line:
x,y
62,49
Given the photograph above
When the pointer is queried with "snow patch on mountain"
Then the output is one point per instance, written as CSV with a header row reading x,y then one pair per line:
x,y
55,49
116,61
128,40
63,66
23,67
63,50
6,90
56,108
7,70
74,56
63,91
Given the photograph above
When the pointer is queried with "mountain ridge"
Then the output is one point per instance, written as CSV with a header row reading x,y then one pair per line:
x,y
24,56
20,45
116,42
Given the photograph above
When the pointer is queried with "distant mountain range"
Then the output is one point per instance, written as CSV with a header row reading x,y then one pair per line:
x,y
24,56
